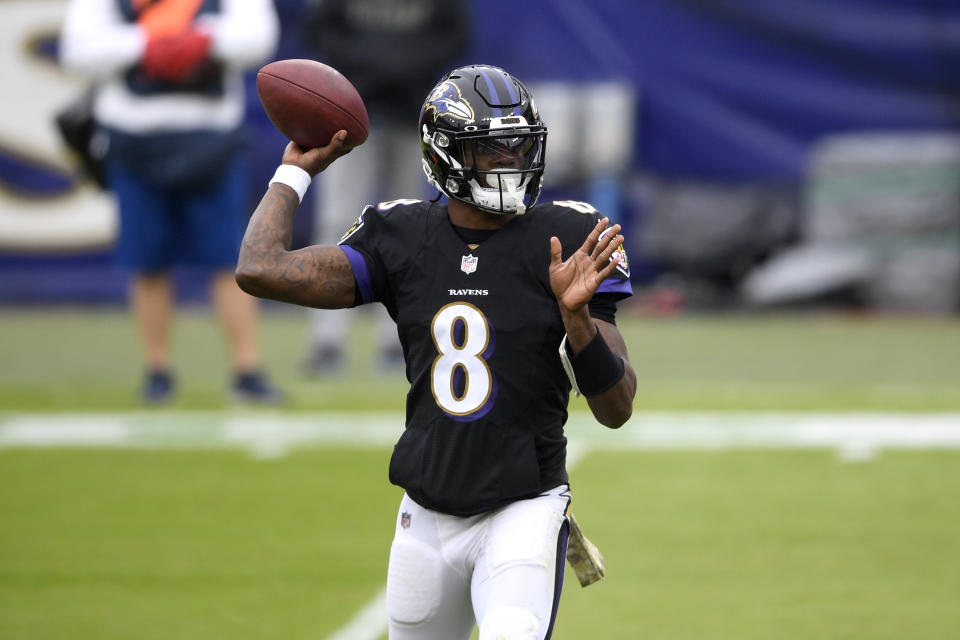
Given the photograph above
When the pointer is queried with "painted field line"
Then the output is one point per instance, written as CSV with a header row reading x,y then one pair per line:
x,y
275,434
369,623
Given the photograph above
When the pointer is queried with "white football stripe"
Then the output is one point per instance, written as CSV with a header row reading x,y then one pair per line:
x,y
271,434
369,623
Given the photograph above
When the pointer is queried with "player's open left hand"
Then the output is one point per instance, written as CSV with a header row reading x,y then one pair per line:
x,y
313,161
575,280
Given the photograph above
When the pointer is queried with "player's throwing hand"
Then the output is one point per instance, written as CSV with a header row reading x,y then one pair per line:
x,y
575,280
313,161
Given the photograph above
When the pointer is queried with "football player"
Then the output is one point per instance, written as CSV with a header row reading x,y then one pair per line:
x,y
502,307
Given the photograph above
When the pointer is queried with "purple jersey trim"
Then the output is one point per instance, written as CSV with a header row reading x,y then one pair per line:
x,y
360,273
613,285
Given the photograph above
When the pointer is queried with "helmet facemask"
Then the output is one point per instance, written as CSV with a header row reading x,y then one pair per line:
x,y
501,166
498,170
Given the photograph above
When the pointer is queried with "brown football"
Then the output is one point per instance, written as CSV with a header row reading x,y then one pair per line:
x,y
309,101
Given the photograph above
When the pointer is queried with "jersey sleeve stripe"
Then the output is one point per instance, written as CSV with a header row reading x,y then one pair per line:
x,y
360,273
615,285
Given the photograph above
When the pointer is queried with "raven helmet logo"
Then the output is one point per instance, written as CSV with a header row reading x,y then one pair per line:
x,y
447,99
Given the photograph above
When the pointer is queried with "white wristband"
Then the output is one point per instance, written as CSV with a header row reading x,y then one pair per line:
x,y
294,177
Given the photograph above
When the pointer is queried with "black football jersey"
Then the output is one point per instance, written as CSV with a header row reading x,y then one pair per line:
x,y
480,331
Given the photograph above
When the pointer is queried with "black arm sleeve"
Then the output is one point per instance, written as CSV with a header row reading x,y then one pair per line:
x,y
603,306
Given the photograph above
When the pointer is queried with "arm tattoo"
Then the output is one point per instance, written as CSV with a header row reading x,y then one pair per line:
x,y
316,276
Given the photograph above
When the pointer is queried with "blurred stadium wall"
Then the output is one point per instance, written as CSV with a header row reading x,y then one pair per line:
x,y
688,120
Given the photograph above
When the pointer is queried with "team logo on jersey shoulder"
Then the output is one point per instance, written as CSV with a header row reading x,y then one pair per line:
x,y
447,99
405,519
620,257
623,264
469,264
356,226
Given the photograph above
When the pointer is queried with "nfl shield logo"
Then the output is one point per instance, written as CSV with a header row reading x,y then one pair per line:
x,y
405,520
468,264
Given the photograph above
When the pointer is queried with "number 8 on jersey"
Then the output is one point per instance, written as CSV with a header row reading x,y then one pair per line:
x,y
461,381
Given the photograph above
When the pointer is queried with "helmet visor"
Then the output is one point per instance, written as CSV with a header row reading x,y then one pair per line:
x,y
513,151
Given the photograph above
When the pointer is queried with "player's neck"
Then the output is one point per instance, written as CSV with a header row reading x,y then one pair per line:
x,y
464,215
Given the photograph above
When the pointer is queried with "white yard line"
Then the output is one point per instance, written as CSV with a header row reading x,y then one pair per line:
x,y
269,434
370,622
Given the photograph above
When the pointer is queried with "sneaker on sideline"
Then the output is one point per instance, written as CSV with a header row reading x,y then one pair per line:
x,y
254,387
324,361
157,387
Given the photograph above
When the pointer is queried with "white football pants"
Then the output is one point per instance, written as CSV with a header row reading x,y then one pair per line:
x,y
385,167
503,569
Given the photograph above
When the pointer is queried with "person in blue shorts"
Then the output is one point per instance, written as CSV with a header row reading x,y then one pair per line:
x,y
171,101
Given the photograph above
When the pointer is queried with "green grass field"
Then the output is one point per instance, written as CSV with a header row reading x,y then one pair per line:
x,y
204,542
147,544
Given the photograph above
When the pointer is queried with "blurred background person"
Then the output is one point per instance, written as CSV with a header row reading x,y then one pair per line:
x,y
392,51
171,99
